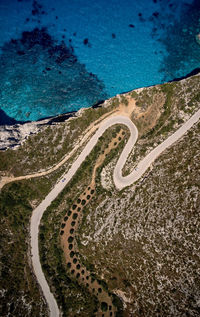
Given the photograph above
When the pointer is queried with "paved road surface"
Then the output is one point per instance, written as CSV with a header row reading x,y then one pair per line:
x,y
119,180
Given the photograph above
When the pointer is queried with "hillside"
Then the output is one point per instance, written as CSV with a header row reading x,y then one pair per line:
x,y
139,245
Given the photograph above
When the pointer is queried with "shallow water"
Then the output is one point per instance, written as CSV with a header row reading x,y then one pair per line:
x,y
60,56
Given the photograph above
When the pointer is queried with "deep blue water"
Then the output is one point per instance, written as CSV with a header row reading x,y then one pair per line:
x,y
59,56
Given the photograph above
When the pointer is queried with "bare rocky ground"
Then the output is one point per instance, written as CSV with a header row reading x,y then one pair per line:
x,y
143,242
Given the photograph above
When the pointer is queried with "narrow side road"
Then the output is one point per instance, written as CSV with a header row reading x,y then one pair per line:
x,y
123,181
119,180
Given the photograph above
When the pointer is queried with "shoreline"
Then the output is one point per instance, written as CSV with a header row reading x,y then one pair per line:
x,y
14,133
66,115
120,183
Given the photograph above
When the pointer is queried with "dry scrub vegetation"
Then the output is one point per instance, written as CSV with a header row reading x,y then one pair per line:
x,y
142,243
145,241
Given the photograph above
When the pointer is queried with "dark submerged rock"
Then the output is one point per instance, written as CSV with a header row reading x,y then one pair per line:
x,y
61,53
156,14
36,8
36,37
85,41
20,53
40,50
35,12
192,73
13,41
141,17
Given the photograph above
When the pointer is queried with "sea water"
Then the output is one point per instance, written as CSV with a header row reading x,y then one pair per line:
x,y
60,56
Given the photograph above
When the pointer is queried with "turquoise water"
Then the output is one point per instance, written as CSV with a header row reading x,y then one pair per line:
x,y
60,56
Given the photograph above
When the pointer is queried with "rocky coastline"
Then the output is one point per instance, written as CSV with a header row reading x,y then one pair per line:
x,y
13,133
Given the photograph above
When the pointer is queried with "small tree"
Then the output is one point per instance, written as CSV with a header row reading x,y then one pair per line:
x,y
69,265
70,239
104,306
83,202
75,215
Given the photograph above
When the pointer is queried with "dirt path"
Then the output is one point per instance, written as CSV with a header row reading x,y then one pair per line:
x,y
122,109
68,230
121,116
119,180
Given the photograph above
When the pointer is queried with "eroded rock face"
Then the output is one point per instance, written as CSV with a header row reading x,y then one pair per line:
x,y
13,133
12,136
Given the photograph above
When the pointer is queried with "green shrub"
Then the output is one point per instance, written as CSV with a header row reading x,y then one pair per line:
x,y
115,102
134,94
124,100
104,306
75,215
70,239
83,202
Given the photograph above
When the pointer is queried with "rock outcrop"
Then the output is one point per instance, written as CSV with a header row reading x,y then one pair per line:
x,y
13,135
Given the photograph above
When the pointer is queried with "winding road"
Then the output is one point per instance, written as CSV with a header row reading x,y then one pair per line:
x,y
119,181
